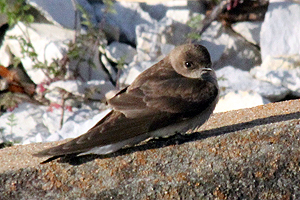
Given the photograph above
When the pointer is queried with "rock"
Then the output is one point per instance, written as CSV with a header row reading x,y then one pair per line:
x,y
153,39
62,12
88,66
235,155
28,121
129,73
156,11
239,100
3,19
72,86
112,72
120,52
98,89
249,30
279,32
231,79
48,41
228,49
170,8
52,119
94,89
182,16
78,124
34,123
280,71
127,16
56,90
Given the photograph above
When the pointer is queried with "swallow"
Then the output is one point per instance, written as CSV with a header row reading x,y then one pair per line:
x,y
177,94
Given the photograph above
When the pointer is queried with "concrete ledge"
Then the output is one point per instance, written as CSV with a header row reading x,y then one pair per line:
x,y
247,154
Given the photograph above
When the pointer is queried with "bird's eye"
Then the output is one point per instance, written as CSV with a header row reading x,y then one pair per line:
x,y
188,64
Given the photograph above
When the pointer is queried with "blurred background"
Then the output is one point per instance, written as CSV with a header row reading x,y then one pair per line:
x,y
61,60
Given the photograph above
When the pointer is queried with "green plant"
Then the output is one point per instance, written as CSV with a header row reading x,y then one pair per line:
x,y
12,122
195,23
8,101
19,11
16,11
81,49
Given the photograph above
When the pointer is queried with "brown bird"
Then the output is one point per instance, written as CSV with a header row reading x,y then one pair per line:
x,y
175,95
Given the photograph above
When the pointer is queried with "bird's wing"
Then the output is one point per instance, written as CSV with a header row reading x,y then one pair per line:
x,y
152,102
164,91
113,128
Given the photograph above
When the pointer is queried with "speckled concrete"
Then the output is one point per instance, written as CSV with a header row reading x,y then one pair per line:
x,y
245,154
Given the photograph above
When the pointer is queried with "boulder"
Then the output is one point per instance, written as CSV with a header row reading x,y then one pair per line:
x,y
127,16
227,48
231,79
242,154
279,32
280,71
49,42
239,100
62,13
249,30
120,52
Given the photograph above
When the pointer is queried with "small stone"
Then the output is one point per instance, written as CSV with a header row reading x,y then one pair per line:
x,y
239,100
280,71
233,80
120,52
249,30
227,49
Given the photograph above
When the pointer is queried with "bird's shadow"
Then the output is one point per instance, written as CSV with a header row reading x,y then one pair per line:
x,y
180,139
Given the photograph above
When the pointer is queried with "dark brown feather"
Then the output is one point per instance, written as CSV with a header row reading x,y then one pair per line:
x,y
159,97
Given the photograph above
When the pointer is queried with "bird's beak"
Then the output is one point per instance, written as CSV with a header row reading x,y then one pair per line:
x,y
207,69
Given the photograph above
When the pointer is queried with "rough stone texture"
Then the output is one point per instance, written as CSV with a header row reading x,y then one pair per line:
x,y
128,15
281,24
48,40
227,48
61,12
238,100
117,51
244,154
233,80
282,71
249,30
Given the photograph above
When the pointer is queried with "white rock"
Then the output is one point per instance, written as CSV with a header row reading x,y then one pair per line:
x,y
52,119
227,49
280,30
231,79
55,94
117,52
93,89
239,100
154,39
109,67
98,88
61,12
280,71
182,16
48,41
88,67
130,72
128,15
72,86
84,121
28,122
249,30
